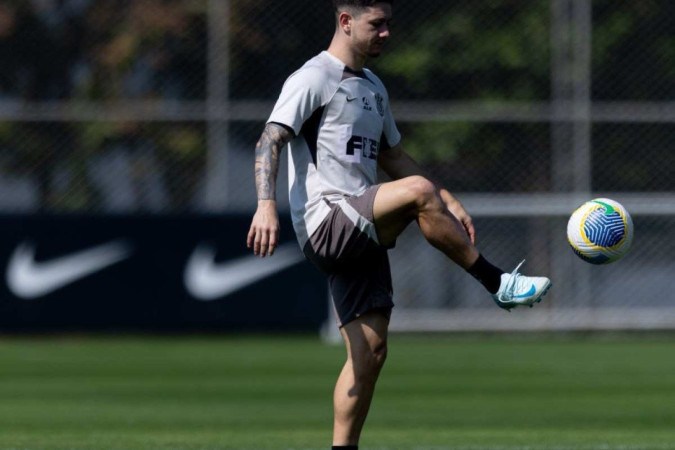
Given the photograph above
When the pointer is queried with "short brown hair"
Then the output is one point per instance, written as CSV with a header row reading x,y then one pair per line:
x,y
358,4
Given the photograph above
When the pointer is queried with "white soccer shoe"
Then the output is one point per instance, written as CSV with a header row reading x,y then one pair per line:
x,y
518,290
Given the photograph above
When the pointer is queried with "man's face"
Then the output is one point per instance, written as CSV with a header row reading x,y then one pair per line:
x,y
370,29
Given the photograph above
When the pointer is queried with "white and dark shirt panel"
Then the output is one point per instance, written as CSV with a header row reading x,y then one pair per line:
x,y
342,121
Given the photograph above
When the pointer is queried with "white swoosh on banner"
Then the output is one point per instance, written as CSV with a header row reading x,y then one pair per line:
x,y
207,280
29,279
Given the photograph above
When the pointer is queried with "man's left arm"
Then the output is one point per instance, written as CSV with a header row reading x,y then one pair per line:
x,y
398,164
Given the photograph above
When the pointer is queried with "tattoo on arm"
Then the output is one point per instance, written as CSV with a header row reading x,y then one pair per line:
x,y
267,152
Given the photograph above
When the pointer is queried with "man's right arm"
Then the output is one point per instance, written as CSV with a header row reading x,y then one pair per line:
x,y
263,235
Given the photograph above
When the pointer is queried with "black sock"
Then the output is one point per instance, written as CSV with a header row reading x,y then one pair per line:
x,y
489,275
345,447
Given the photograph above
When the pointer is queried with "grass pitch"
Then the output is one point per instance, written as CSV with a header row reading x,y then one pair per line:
x,y
274,392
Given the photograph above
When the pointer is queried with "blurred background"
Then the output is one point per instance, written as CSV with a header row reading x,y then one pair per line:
x,y
148,111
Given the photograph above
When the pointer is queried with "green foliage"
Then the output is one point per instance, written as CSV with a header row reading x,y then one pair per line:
x,y
478,50
94,134
183,143
430,141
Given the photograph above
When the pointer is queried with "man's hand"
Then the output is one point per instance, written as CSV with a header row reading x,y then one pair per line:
x,y
263,236
457,210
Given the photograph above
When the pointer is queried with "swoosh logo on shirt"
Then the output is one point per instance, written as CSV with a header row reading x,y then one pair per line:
x,y
30,279
351,99
207,280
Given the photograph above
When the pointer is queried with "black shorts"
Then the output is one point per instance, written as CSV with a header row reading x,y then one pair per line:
x,y
345,247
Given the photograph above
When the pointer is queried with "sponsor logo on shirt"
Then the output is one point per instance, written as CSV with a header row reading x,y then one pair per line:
x,y
380,103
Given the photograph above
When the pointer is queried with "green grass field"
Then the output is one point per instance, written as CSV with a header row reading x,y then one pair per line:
x,y
436,392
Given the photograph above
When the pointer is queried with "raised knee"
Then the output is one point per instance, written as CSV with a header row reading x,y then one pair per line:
x,y
422,190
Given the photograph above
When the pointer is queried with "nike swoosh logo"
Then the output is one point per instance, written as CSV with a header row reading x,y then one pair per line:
x,y
609,209
29,279
351,99
207,280
528,293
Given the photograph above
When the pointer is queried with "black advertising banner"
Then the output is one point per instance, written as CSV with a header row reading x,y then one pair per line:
x,y
154,273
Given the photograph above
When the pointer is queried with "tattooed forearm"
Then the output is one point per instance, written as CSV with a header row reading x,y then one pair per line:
x,y
267,152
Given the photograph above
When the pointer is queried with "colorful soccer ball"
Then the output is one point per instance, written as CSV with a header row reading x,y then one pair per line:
x,y
600,231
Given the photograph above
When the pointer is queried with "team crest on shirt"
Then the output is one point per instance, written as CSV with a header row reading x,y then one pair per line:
x,y
380,103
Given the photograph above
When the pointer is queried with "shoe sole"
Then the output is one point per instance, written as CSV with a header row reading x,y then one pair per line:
x,y
543,293
509,307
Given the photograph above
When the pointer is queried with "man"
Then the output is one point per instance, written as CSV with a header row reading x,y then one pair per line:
x,y
334,115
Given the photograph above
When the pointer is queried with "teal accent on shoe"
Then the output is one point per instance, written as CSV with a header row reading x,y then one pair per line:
x,y
528,293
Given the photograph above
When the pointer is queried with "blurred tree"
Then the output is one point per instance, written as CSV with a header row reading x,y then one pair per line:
x,y
469,50
270,40
482,50
633,50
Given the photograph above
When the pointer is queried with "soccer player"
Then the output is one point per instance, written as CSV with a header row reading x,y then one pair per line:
x,y
334,115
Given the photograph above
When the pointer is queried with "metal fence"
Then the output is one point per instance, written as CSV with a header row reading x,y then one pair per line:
x,y
523,109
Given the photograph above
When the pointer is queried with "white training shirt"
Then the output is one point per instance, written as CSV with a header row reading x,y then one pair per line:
x,y
341,120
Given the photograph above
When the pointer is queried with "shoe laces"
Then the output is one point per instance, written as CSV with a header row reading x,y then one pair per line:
x,y
512,284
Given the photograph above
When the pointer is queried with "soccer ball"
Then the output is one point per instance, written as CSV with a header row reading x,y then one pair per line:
x,y
600,231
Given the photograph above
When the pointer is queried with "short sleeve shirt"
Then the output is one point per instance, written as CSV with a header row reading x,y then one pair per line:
x,y
342,121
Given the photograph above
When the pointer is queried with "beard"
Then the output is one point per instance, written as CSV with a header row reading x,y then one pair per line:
x,y
375,49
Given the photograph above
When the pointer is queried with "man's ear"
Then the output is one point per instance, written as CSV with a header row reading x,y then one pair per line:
x,y
345,21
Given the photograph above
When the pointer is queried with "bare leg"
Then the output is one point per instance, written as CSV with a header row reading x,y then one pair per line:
x,y
366,342
399,202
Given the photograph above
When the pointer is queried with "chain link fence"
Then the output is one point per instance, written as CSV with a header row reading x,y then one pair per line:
x,y
523,109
